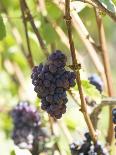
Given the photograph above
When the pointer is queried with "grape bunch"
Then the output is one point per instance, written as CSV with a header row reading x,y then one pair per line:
x,y
88,148
26,122
51,82
97,82
114,119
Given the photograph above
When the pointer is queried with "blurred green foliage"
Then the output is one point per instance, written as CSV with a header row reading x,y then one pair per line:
x,y
15,71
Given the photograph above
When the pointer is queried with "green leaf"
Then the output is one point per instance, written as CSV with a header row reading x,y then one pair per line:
x,y
90,90
53,11
109,5
2,28
71,122
114,1
12,152
47,32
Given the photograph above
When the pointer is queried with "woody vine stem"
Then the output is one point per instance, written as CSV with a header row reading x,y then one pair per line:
x,y
76,65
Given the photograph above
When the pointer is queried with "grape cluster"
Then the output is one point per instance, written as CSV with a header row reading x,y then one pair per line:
x,y
51,82
26,122
97,82
88,148
114,119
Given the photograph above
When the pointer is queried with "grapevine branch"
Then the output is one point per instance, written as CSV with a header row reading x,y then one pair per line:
x,y
106,64
73,97
31,20
95,113
86,39
104,9
97,4
76,70
29,56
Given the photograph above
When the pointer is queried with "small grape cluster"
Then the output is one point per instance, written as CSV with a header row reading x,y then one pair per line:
x,y
97,82
26,122
51,82
114,119
88,148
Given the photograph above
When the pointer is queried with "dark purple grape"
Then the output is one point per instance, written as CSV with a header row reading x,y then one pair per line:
x,y
45,68
66,84
59,83
114,116
87,136
114,112
49,98
88,148
59,90
26,122
52,68
48,76
96,81
46,83
41,76
39,68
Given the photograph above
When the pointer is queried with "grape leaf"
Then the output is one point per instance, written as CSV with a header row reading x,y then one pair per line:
x,y
2,28
109,5
90,90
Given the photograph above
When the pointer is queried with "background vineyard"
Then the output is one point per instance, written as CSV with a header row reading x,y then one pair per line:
x,y
15,65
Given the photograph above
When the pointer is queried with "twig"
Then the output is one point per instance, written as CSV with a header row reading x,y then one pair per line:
x,y
64,38
95,113
73,97
35,149
104,9
97,4
76,70
31,20
29,56
106,63
65,131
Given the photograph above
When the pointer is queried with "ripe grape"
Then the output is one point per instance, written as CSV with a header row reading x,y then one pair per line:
x,y
114,119
26,122
88,148
97,82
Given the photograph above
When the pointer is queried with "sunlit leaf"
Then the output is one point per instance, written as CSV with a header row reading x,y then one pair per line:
x,y
90,90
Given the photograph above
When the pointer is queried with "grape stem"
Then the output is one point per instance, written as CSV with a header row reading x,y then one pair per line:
x,y
96,111
29,56
76,70
106,63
